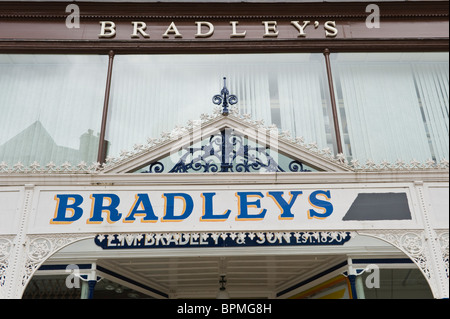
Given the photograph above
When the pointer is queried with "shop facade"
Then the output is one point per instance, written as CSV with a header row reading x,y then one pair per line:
x,y
244,149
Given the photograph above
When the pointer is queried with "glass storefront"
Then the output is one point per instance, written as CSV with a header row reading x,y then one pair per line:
x,y
391,106
153,94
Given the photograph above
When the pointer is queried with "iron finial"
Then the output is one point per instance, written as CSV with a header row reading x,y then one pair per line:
x,y
224,98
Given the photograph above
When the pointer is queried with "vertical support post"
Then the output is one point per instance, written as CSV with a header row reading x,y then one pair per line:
x,y
225,166
359,286
437,278
352,279
101,156
88,283
355,280
84,290
337,133
91,284
87,289
222,166
18,257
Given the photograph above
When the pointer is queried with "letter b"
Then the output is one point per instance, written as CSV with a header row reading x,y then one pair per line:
x,y
107,26
63,206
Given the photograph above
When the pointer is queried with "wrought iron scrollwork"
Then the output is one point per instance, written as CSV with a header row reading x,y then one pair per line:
x,y
156,167
225,98
226,152
296,166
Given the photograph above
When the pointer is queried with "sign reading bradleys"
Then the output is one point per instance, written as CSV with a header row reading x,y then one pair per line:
x,y
206,29
69,207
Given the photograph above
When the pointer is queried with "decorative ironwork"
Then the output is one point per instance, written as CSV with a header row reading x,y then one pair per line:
x,y
222,282
226,152
224,98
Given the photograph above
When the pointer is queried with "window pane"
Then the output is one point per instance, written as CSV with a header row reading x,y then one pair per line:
x,y
393,105
155,93
397,284
51,108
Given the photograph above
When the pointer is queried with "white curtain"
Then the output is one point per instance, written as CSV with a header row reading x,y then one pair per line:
x,y
432,88
51,108
381,109
154,93
302,106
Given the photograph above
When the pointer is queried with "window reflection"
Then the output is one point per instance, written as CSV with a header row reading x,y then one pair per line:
x,y
51,108
398,284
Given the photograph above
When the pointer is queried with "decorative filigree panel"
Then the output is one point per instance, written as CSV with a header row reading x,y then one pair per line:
x,y
412,243
228,151
443,244
40,248
6,245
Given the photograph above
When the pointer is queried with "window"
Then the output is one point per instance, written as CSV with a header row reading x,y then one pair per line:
x,y
398,284
151,94
51,108
390,106
393,106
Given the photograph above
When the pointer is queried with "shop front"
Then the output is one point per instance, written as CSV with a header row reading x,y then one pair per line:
x,y
224,150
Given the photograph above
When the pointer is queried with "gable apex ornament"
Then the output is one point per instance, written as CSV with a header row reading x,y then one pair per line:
x,y
225,98
209,124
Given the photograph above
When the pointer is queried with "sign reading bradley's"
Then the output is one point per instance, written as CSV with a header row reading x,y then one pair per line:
x,y
206,29
225,208
180,206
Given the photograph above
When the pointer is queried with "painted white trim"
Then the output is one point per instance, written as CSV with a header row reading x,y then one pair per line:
x,y
157,148
437,177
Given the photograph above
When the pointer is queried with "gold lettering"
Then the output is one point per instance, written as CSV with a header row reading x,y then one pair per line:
x,y
172,29
107,26
199,33
300,28
205,29
235,34
139,27
330,26
270,29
